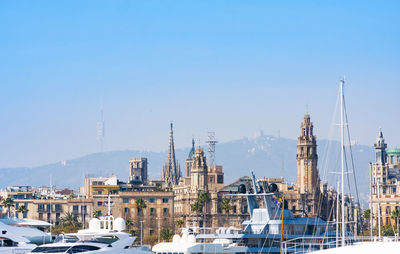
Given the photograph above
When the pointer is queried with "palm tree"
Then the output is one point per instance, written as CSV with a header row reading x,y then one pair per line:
x,y
204,198
8,202
70,219
96,213
367,216
166,234
128,223
226,206
196,207
140,205
22,209
396,215
180,223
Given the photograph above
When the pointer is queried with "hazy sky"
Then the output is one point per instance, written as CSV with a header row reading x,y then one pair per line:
x,y
232,67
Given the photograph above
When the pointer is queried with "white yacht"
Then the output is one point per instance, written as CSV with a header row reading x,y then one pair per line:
x,y
12,240
187,244
33,230
105,235
363,247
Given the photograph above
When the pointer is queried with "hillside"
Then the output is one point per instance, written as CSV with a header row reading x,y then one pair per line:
x,y
264,154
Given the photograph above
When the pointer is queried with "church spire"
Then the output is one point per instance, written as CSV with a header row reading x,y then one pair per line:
x,y
171,171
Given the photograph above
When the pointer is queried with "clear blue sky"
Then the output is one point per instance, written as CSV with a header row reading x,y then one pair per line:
x,y
232,67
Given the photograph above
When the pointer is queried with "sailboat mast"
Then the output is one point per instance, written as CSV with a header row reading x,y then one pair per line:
x,y
342,157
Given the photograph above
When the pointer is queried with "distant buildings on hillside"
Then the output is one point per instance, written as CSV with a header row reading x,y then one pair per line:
x,y
195,197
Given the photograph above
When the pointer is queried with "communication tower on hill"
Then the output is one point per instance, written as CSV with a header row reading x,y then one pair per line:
x,y
100,131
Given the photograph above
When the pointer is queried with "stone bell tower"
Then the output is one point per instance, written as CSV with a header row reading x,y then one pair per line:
x,y
307,158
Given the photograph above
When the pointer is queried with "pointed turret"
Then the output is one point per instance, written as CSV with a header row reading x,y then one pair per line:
x,y
380,149
189,160
171,170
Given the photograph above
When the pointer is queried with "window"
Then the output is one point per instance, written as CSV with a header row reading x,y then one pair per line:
x,y
51,249
84,208
82,248
126,210
152,210
99,192
211,179
151,232
58,207
165,200
165,211
234,209
125,200
152,200
48,207
40,216
75,208
387,209
220,179
99,203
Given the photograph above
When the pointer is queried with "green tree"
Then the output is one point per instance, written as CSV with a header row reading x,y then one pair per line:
x,y
388,230
8,202
204,199
180,223
96,213
140,205
396,216
167,234
22,209
367,217
226,206
69,219
128,223
196,207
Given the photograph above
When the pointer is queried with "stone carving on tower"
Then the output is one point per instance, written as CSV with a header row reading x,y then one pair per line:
x,y
307,172
171,171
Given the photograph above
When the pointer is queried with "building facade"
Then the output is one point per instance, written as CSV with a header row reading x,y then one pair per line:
x,y
385,183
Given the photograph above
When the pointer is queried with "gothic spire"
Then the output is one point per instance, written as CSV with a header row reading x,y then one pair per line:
x,y
171,171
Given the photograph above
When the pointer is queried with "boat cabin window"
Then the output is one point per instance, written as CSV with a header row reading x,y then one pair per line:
x,y
82,248
7,243
51,249
106,239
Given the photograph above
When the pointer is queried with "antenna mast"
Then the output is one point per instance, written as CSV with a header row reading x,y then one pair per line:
x,y
342,156
211,147
100,130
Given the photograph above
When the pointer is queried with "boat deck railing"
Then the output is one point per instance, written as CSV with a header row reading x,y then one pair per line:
x,y
308,244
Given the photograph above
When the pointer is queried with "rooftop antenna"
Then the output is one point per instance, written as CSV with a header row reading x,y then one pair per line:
x,y
211,147
100,130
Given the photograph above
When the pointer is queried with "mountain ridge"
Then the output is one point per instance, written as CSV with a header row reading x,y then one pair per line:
x,y
267,155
